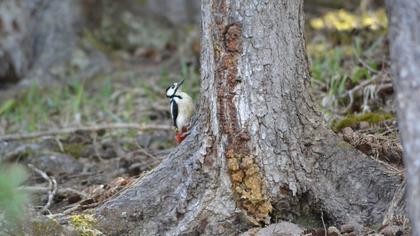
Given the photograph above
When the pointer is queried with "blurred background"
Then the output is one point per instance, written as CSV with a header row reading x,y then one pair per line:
x,y
73,63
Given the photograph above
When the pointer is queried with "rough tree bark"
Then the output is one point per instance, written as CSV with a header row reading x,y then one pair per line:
x,y
258,151
404,36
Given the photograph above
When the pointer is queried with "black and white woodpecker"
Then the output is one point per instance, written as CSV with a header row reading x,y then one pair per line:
x,y
182,109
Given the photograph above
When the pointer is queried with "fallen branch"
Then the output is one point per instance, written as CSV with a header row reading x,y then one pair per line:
x,y
94,128
385,84
143,151
323,223
52,186
60,191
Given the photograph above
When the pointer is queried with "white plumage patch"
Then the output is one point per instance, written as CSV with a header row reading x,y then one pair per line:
x,y
185,109
171,90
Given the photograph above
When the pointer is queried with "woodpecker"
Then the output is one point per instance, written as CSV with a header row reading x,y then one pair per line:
x,y
182,109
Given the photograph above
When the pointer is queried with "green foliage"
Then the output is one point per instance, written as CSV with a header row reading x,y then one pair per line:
x,y
351,120
189,74
342,59
74,149
76,87
12,200
329,68
107,88
32,109
45,226
90,38
7,105
359,73
192,80
40,107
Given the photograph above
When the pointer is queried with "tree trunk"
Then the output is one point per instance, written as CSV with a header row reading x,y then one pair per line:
x,y
258,152
404,37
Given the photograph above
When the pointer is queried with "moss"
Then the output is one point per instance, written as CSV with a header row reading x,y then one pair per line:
x,y
376,227
85,225
89,37
27,152
309,221
44,228
74,149
344,145
352,120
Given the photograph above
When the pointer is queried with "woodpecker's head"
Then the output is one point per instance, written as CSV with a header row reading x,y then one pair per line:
x,y
171,90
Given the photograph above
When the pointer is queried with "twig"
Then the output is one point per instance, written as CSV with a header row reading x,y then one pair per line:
x,y
70,190
60,191
367,65
52,186
323,223
146,153
50,195
39,172
34,189
389,168
142,150
60,145
69,209
95,146
361,86
364,63
68,130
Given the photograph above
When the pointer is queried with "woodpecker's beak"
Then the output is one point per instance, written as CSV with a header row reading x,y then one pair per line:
x,y
180,83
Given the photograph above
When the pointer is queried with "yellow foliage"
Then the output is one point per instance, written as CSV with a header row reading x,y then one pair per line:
x,y
317,23
343,20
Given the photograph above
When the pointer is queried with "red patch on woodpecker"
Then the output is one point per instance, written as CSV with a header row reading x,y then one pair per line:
x,y
181,135
179,138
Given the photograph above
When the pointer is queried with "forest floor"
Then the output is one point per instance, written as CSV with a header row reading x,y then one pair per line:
x,y
72,172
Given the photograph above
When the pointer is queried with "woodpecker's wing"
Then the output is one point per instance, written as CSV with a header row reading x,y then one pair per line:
x,y
185,110
190,105
174,112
